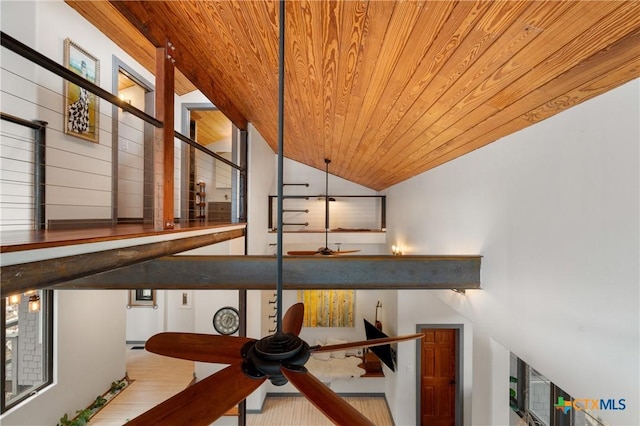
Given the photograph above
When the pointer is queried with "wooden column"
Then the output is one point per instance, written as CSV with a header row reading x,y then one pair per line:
x,y
164,141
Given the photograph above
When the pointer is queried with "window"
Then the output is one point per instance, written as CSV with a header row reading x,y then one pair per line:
x,y
539,401
535,398
27,335
517,383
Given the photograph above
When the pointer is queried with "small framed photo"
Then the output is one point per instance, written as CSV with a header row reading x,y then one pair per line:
x,y
142,297
185,299
81,107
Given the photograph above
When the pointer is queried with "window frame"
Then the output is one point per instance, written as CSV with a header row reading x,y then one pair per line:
x,y
47,318
556,417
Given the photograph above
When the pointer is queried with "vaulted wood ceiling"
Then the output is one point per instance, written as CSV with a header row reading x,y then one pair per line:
x,y
385,89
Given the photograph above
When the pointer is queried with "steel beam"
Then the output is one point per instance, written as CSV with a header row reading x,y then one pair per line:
x,y
299,272
45,273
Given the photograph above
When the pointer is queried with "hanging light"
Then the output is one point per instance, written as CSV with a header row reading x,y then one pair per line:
x,y
34,303
14,299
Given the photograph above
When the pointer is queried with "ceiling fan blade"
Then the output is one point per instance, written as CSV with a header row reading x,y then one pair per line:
x,y
302,252
366,343
333,406
345,251
203,402
198,347
292,321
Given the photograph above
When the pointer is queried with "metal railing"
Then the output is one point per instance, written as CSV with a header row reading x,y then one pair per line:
x,y
346,212
110,182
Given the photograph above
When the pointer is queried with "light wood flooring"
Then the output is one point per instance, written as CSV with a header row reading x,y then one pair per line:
x,y
157,378
297,411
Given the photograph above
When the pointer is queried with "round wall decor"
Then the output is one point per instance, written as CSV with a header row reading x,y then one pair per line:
x,y
226,320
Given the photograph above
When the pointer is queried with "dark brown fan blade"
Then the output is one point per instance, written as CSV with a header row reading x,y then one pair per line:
x,y
302,252
327,401
198,347
366,343
203,402
292,321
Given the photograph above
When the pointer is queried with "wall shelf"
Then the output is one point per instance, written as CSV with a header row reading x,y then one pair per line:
x,y
201,199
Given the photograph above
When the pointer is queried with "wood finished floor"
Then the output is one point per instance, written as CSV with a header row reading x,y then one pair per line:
x,y
157,378
297,411
11,241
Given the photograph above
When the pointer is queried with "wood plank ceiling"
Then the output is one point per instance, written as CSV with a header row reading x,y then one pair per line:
x,y
388,90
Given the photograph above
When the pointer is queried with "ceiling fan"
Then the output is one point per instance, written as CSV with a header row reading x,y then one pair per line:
x,y
279,358
325,251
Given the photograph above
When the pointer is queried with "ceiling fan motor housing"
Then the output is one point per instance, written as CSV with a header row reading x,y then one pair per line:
x,y
266,356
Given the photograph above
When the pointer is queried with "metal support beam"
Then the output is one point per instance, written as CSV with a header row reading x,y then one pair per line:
x,y
303,272
45,273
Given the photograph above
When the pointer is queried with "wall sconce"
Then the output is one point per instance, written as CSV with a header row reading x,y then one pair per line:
x,y
14,299
34,303
396,250
123,99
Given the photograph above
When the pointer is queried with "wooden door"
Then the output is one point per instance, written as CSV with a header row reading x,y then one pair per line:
x,y
438,377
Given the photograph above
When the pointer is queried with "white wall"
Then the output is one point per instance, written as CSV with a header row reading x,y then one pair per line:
x,y
145,321
79,174
345,213
17,147
262,183
89,337
261,178
348,213
554,210
79,171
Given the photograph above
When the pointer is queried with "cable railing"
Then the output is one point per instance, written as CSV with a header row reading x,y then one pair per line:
x,y
52,177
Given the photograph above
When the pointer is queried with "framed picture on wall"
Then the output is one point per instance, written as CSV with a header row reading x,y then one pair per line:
x,y
81,107
142,297
328,308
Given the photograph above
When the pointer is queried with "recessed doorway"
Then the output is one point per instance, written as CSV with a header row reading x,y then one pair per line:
x,y
440,375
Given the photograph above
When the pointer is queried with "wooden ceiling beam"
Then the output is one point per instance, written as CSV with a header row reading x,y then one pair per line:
x,y
299,272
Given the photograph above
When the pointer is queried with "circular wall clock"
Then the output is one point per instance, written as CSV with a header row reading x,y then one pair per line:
x,y
226,320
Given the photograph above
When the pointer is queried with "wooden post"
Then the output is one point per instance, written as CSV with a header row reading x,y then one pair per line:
x,y
164,140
